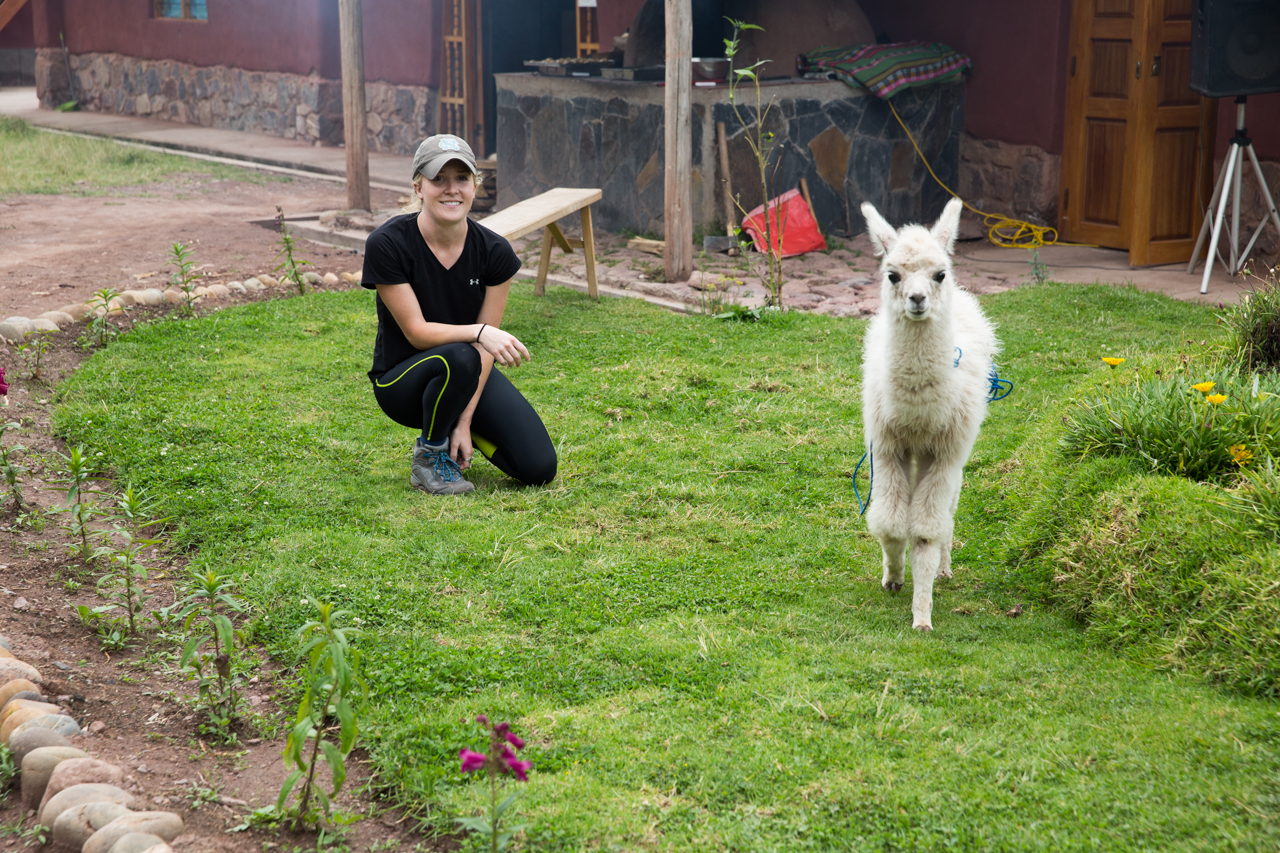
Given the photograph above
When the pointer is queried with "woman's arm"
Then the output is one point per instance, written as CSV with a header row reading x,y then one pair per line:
x,y
501,346
495,304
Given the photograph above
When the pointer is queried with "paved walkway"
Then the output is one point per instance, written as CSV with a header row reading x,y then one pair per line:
x,y
1068,264
386,171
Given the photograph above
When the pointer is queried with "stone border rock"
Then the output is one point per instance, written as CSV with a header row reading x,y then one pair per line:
x,y
79,798
14,329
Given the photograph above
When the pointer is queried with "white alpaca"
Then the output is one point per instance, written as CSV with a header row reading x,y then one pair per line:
x,y
921,409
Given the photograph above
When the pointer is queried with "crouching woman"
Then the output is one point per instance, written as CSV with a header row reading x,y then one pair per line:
x,y
442,283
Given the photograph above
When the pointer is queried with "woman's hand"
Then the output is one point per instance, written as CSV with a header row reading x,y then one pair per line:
x,y
503,346
460,444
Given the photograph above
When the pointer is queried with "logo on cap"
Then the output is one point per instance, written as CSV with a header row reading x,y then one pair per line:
x,y
450,145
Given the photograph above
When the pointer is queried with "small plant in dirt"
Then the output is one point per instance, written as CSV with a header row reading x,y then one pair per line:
x,y
1039,269
762,143
184,276
290,267
125,581
501,760
112,630
32,351
8,772
211,642
79,472
99,330
334,690
10,467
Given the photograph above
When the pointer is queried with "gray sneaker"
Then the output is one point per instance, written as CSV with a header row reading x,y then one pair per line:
x,y
434,472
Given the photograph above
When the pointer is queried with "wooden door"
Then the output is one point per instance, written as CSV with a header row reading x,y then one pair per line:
x,y
1136,137
1176,134
1107,41
461,77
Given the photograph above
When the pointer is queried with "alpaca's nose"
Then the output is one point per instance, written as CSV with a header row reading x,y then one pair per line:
x,y
917,300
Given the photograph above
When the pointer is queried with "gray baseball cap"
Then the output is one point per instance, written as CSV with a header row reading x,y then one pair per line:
x,y
437,150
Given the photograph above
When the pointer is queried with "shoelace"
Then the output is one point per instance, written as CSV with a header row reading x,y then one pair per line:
x,y
442,463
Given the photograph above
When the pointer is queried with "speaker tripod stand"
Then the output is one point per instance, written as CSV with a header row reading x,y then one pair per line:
x,y
1229,188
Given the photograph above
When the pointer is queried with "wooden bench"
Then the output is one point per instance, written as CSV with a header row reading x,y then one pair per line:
x,y
542,211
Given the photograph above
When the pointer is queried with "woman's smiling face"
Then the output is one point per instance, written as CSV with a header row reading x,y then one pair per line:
x,y
448,196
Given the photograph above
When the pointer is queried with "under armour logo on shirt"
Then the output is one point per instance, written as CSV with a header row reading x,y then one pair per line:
x,y
475,282
450,145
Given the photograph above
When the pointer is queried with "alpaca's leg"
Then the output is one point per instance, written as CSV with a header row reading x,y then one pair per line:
x,y
888,518
944,559
924,567
895,563
932,521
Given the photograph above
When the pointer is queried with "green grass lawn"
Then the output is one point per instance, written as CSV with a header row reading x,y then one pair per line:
x,y
52,163
687,625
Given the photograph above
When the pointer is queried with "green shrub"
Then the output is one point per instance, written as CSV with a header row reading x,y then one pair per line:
x,y
1169,427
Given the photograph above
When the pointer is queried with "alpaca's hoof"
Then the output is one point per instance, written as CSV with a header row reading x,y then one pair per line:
x,y
923,626
892,587
944,573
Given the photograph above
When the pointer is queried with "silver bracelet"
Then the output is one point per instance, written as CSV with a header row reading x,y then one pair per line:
x,y
483,326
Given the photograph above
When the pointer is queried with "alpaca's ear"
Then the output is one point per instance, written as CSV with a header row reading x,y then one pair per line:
x,y
948,225
882,234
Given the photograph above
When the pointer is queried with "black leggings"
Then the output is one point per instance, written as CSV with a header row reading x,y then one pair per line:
x,y
429,390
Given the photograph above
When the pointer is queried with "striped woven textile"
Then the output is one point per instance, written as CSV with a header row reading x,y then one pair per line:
x,y
886,68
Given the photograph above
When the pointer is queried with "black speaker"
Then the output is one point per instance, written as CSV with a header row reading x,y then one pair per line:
x,y
1235,47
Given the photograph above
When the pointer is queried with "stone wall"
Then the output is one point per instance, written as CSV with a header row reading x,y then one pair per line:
x,y
308,108
1017,180
589,132
1253,209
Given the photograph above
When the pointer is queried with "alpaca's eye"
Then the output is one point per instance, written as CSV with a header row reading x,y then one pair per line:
x,y
940,276
894,278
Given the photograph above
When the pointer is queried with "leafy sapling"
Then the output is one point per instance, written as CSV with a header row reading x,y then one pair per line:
x,y
501,760
291,267
762,144
80,509
125,582
211,642
334,689
10,467
32,351
184,276
99,329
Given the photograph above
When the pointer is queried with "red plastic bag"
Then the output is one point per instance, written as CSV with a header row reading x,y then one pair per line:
x,y
800,232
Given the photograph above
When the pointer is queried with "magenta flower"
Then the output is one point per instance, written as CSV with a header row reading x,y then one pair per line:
x,y
514,739
472,760
516,766
482,720
4,386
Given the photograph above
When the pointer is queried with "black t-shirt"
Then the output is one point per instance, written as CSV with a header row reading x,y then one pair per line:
x,y
395,253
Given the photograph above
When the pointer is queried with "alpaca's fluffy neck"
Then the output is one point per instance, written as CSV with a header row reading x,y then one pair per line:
x,y
921,352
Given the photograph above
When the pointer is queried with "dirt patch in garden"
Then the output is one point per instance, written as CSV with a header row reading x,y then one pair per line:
x,y
136,711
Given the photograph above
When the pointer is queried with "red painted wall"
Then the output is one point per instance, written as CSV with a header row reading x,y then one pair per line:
x,y
1017,91
1262,118
292,36
18,33
613,17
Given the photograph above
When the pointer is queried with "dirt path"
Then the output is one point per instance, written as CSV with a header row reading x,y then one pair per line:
x,y
58,249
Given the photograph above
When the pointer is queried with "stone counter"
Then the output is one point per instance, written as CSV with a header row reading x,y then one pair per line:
x,y
595,132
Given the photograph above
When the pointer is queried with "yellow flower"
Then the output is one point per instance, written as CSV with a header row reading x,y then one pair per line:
x,y
1204,387
1114,362
1241,454
1216,398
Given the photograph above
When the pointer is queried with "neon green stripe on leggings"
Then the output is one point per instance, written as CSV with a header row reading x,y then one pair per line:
x,y
447,373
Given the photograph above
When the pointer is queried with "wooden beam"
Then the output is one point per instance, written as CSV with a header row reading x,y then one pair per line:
x,y
677,211
9,9
730,215
354,116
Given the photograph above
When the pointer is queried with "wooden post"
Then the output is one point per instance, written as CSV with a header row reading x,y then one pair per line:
x,y
678,203
730,215
354,117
